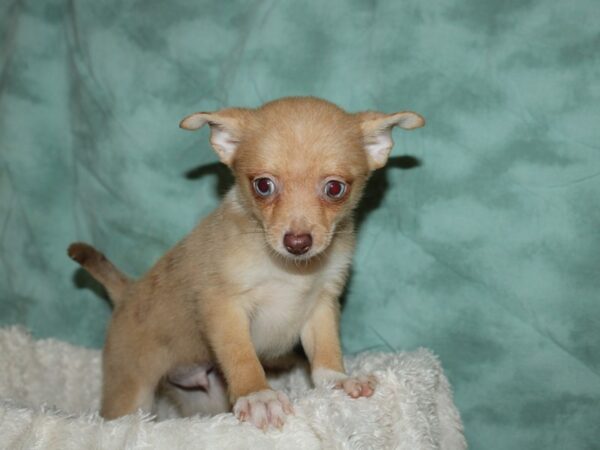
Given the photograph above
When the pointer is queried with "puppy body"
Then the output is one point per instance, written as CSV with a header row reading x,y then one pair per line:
x,y
262,272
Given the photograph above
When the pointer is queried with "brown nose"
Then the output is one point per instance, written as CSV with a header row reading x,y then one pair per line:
x,y
297,244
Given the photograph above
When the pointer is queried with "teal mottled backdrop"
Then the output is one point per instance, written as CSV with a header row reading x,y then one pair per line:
x,y
481,240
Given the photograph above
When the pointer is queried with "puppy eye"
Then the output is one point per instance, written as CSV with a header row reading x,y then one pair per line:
x,y
335,189
264,186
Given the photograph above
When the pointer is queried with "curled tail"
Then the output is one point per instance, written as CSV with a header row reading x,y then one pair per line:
x,y
115,281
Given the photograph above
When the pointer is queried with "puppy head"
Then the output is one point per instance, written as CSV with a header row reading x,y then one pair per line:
x,y
301,164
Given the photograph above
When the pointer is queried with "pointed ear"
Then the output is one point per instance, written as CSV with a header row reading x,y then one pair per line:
x,y
225,130
377,133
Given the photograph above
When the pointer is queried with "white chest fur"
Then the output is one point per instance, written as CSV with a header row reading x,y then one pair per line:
x,y
281,301
282,307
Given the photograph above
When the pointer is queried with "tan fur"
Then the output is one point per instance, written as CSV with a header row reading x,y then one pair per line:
x,y
101,268
229,292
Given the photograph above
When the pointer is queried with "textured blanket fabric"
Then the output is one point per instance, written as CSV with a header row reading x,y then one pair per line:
x,y
480,240
49,394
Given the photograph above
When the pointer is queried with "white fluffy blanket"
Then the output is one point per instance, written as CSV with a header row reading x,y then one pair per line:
x,y
49,396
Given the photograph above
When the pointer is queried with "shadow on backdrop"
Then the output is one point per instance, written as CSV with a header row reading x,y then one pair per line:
x,y
83,280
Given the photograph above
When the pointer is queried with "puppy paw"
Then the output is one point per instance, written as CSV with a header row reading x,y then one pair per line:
x,y
355,387
263,408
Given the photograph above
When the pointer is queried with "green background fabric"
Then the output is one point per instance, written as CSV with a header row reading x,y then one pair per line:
x,y
480,240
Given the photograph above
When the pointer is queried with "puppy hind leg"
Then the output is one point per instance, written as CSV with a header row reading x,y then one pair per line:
x,y
125,394
130,385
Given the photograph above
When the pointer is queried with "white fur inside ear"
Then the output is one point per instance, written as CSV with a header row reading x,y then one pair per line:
x,y
378,147
378,135
222,137
224,142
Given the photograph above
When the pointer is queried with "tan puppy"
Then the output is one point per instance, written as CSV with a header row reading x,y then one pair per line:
x,y
258,275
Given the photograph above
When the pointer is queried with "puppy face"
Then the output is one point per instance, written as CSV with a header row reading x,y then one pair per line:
x,y
301,164
301,169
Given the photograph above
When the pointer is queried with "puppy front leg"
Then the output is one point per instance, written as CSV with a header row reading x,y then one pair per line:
x,y
321,343
253,399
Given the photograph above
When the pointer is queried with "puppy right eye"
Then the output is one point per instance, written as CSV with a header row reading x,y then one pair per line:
x,y
264,186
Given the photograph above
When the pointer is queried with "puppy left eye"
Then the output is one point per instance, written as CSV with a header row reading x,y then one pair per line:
x,y
335,189
264,186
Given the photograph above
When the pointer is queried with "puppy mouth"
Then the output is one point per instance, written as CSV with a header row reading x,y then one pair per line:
x,y
297,258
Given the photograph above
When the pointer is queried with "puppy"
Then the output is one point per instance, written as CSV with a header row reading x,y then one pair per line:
x,y
258,275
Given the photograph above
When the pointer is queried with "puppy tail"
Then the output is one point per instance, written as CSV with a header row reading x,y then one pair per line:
x,y
98,266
